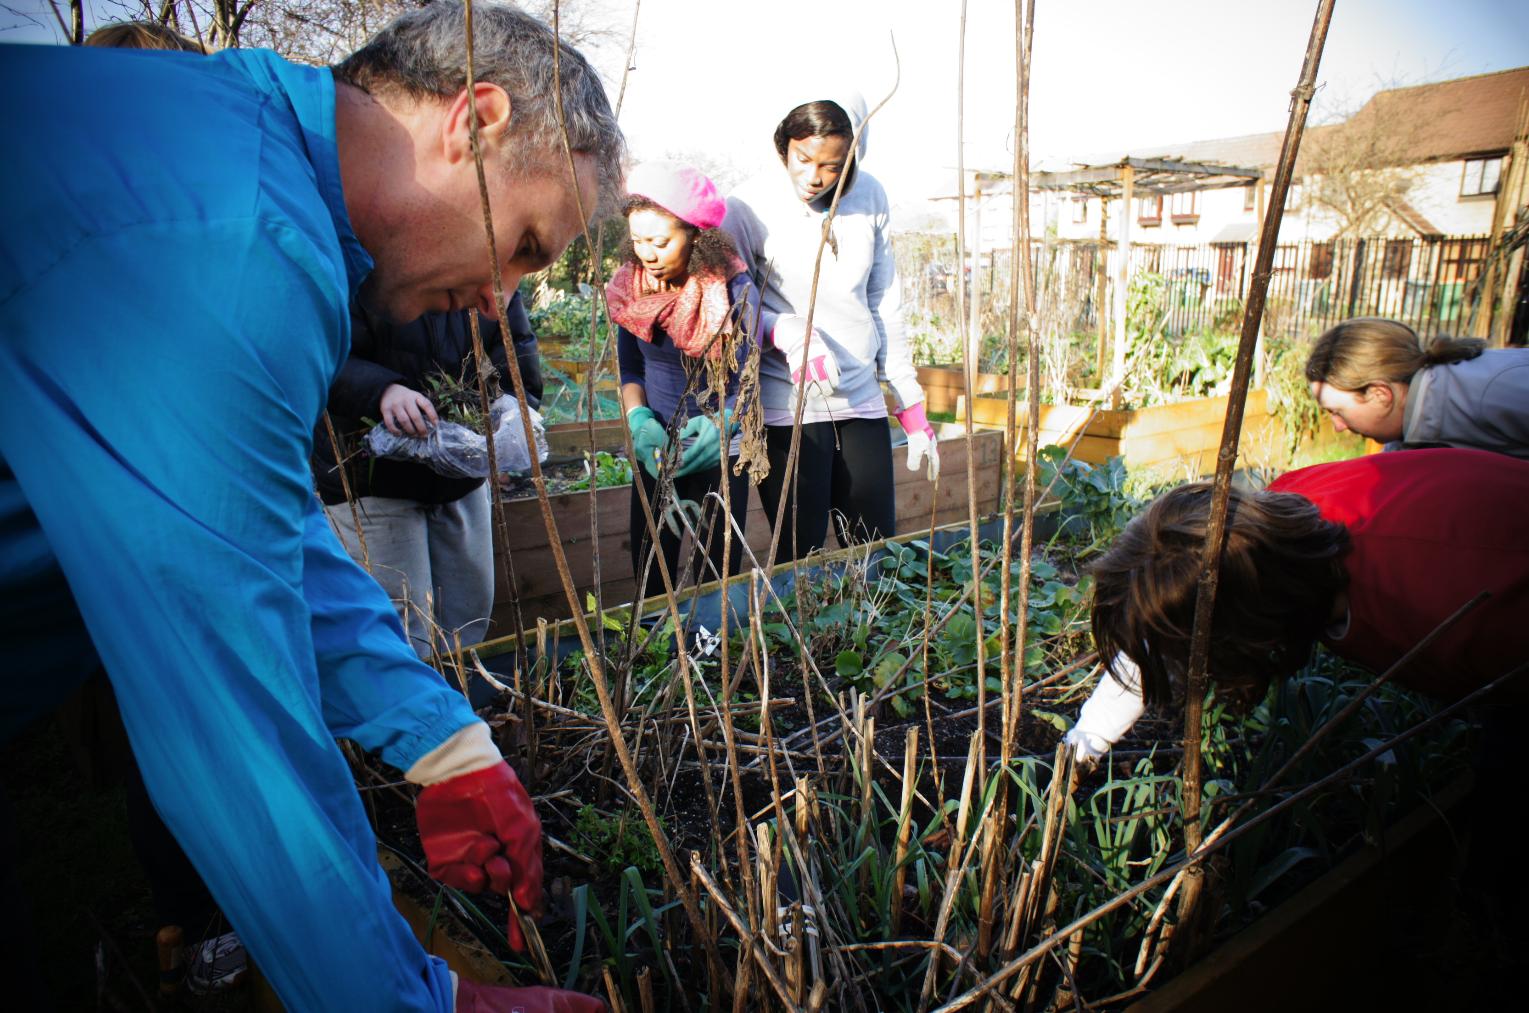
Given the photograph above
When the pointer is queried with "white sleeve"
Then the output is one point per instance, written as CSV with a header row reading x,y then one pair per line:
x,y
1110,711
884,298
470,748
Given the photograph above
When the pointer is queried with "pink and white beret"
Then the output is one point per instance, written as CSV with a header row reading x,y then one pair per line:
x,y
680,190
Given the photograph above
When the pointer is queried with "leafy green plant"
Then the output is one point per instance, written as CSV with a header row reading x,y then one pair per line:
x,y
1098,496
607,470
618,841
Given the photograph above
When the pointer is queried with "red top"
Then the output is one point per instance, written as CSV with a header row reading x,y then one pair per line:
x,y
1430,530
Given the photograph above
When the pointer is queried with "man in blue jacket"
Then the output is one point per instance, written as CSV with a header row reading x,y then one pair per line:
x,y
181,243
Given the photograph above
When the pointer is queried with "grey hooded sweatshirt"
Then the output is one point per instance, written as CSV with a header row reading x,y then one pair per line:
x,y
1481,404
859,303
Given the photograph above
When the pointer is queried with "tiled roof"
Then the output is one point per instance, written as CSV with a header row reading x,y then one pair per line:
x,y
1466,116
1251,151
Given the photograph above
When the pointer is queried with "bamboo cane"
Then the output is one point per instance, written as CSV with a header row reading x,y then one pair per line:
x,y
1226,457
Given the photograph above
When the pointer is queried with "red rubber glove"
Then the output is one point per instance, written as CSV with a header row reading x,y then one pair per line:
x,y
480,831
493,999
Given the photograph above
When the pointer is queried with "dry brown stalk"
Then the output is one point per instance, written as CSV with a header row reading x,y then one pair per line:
x,y
350,498
602,690
749,939
904,825
957,857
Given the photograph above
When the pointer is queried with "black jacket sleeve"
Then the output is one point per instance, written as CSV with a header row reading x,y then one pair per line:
x,y
357,391
526,351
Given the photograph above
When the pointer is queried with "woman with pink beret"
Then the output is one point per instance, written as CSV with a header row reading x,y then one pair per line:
x,y
678,301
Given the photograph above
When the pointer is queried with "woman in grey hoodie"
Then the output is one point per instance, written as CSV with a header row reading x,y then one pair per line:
x,y
1376,377
856,341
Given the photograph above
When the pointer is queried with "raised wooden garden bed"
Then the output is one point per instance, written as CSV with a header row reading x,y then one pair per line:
x,y
944,384
1177,439
572,438
541,589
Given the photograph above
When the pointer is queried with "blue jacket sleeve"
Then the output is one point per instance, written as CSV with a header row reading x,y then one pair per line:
x,y
372,686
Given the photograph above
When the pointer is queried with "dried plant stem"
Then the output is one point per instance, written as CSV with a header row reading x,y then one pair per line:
x,y
1226,457
749,938
350,498
687,897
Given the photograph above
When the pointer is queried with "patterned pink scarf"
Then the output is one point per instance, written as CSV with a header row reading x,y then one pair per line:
x,y
691,315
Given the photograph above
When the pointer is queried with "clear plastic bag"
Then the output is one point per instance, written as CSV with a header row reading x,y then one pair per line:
x,y
457,452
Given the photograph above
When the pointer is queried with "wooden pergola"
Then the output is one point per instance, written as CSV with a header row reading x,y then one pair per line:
x,y
1133,177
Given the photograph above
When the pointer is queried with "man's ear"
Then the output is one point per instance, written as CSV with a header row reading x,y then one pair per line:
x,y
493,108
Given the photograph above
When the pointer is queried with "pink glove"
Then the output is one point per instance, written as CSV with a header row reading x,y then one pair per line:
x,y
922,445
819,376
493,999
480,830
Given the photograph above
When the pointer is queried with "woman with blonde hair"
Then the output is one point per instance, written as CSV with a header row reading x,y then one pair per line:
x,y
142,35
1378,378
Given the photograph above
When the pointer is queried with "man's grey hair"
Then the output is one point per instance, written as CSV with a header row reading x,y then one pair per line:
x,y
423,54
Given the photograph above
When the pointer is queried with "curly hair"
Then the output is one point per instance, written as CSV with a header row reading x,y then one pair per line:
x,y
1368,350
712,251
1280,574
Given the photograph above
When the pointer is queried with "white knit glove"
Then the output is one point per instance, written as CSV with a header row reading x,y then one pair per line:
x,y
923,446
1109,713
820,376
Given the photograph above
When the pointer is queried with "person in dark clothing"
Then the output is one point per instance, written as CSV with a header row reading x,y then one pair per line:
x,y
428,537
677,301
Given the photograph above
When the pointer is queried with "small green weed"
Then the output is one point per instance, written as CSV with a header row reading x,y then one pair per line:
x,y
619,841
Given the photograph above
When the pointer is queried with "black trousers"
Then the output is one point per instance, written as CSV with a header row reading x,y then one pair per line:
x,y
24,989
701,567
843,470
180,896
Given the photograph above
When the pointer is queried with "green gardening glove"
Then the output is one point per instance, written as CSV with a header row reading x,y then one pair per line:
x,y
704,452
648,438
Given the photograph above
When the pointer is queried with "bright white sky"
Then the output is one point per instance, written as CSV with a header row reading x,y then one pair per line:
x,y
1107,75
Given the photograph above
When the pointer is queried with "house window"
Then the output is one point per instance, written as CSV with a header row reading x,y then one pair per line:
x,y
1462,259
1184,208
1249,198
1226,265
1398,258
1079,210
1286,258
1321,260
1149,211
1481,176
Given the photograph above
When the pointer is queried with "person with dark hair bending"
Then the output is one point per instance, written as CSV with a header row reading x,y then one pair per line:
x,y
857,341
679,301
1378,378
1366,556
